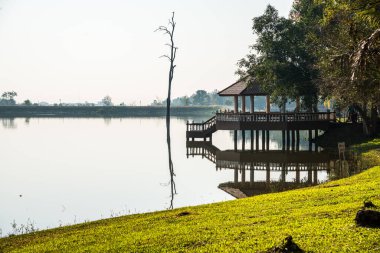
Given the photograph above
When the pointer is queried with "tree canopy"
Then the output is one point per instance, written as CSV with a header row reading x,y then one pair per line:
x,y
326,49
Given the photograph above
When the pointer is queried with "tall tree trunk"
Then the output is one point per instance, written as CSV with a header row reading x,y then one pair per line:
x,y
374,120
363,114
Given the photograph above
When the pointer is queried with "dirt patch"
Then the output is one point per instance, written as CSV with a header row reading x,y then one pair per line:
x,y
288,246
185,213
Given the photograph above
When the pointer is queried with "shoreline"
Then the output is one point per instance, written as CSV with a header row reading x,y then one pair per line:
x,y
102,111
319,218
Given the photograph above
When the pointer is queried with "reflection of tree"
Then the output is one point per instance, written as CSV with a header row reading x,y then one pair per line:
x,y
171,167
9,123
107,121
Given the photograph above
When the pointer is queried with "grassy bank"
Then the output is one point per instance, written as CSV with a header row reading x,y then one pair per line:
x,y
320,219
102,111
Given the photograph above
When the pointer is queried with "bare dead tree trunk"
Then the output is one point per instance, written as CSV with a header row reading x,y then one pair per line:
x,y
173,51
169,30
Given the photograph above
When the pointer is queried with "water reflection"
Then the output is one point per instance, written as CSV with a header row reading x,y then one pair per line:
x,y
173,189
258,172
9,123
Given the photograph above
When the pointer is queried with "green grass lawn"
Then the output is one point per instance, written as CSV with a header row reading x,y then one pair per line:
x,y
320,219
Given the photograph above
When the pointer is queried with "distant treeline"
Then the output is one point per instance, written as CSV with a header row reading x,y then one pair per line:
x,y
102,111
204,98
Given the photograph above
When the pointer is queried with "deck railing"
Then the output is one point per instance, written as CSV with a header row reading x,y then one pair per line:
x,y
201,126
275,117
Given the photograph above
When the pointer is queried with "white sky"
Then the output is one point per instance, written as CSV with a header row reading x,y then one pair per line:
x,y
82,50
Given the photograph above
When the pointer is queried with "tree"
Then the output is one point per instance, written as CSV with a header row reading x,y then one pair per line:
x,y
27,102
281,62
7,98
351,56
107,101
173,51
201,98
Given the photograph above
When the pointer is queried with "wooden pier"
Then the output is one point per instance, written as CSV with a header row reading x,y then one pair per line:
x,y
290,123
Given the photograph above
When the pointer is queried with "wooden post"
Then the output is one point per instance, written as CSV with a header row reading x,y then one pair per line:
x,y
267,140
287,139
315,144
252,109
236,102
316,175
243,140
257,139
283,140
298,178
235,140
252,137
252,179
263,139
298,140
236,179
310,173
268,173
268,104
310,138
293,139
243,104
243,175
283,175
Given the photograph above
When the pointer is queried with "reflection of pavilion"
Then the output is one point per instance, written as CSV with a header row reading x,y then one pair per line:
x,y
301,166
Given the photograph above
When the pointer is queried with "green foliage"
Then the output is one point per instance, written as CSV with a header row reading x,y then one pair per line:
x,y
7,98
350,57
200,97
281,61
27,102
320,219
107,101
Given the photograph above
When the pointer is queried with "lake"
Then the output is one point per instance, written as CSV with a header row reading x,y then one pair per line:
x,y
59,171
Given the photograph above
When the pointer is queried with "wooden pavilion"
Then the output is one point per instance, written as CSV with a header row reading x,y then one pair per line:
x,y
290,123
242,90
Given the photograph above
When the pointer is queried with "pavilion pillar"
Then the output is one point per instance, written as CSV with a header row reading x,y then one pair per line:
x,y
268,104
252,109
298,173
235,140
243,140
236,102
243,175
243,104
257,139
315,177
252,138
268,173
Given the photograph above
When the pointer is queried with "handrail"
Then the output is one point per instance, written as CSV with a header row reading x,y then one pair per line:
x,y
276,117
204,126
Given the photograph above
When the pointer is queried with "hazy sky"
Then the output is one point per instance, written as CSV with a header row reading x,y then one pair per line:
x,y
82,50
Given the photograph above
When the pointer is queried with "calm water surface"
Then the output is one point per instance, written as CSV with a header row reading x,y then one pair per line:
x,y
62,171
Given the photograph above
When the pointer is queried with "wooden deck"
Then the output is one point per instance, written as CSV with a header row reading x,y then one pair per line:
x,y
260,121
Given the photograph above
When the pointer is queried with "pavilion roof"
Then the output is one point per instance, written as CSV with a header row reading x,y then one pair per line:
x,y
241,88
